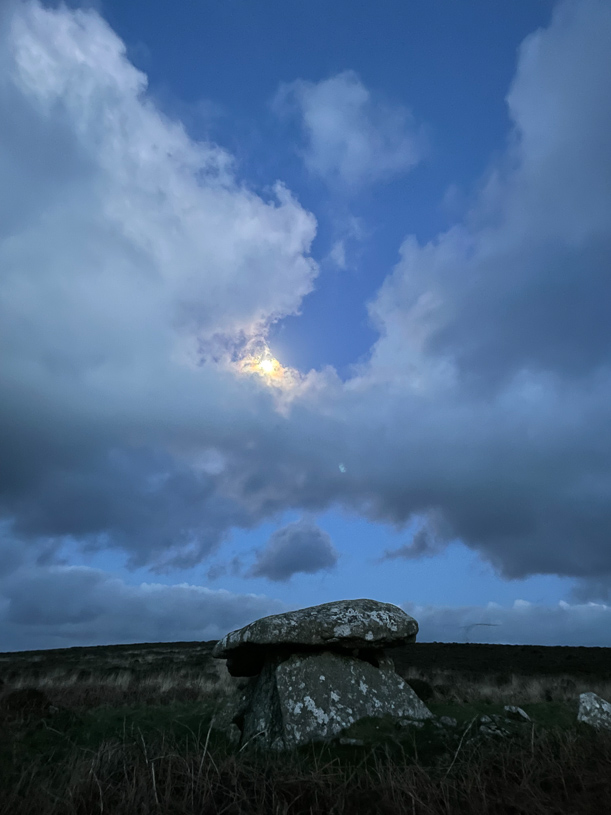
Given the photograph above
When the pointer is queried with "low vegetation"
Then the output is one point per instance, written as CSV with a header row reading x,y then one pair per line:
x,y
129,729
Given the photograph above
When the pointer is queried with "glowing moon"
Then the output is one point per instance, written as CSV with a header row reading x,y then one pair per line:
x,y
268,368
266,365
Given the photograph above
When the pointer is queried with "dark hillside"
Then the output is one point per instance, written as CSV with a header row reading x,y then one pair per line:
x,y
467,658
520,659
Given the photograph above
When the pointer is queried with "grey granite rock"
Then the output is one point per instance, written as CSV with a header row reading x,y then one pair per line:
x,y
361,627
448,721
313,697
594,710
516,713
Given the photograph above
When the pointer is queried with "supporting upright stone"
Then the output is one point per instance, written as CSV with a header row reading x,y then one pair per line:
x,y
313,697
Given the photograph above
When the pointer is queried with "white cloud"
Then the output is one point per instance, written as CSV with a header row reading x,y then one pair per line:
x,y
351,235
143,231
337,255
127,251
522,624
352,137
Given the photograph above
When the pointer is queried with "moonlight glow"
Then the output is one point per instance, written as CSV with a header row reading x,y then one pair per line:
x,y
256,358
267,365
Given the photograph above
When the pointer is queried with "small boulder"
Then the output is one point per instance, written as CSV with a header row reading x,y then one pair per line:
x,y
594,711
492,730
410,723
516,713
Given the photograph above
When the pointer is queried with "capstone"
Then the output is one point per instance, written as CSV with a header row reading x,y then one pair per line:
x,y
364,628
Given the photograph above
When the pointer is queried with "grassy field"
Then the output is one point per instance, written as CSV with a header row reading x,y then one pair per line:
x,y
129,729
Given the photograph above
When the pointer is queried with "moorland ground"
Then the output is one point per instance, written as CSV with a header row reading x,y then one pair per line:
x,y
128,729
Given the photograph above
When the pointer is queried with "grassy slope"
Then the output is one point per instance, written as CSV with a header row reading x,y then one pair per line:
x,y
129,731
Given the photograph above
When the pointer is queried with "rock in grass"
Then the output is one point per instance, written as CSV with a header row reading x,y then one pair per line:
x,y
594,711
516,713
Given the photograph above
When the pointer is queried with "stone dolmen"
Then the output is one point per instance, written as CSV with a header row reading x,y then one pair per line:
x,y
318,670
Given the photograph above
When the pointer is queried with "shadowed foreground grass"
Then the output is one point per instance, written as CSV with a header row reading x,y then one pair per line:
x,y
141,770
130,732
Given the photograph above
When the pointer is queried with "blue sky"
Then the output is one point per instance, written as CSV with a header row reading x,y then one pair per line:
x,y
304,302
218,66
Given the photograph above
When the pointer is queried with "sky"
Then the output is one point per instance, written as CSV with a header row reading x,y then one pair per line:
x,y
303,302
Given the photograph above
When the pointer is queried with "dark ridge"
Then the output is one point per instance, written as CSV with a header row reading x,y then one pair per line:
x,y
481,658
75,650
472,658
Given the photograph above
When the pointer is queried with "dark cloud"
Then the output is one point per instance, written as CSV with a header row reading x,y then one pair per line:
x,y
423,544
298,547
159,510
592,589
234,567
56,597
427,541
61,606
12,552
